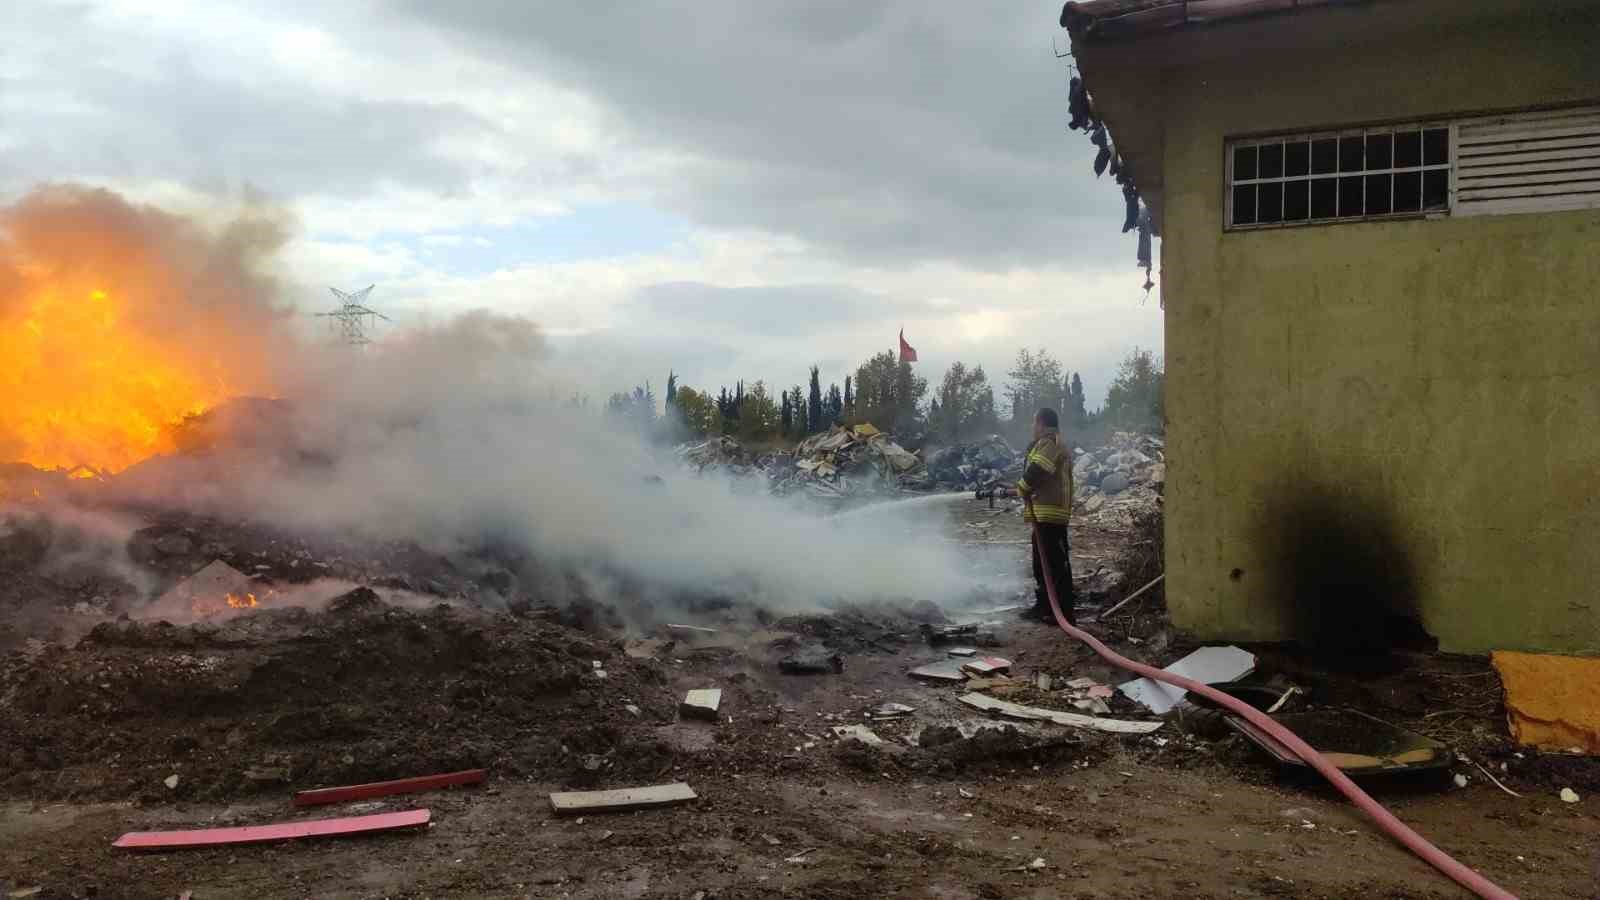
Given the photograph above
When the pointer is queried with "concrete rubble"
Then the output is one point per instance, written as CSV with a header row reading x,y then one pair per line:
x,y
1114,482
860,461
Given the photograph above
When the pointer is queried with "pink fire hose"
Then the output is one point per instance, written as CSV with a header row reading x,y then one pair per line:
x,y
1386,820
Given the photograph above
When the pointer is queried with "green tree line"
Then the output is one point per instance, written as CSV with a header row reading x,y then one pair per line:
x,y
888,393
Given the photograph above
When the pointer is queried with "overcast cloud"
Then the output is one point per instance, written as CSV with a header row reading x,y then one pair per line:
x,y
727,189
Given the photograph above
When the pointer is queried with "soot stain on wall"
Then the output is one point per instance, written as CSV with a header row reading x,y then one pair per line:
x,y
1346,574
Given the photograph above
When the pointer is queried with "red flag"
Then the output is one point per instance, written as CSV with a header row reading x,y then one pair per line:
x,y
907,352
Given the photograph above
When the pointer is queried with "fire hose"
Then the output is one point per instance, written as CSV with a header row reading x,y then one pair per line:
x,y
1400,831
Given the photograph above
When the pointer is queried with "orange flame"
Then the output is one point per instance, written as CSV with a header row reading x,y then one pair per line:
x,y
248,601
119,321
80,388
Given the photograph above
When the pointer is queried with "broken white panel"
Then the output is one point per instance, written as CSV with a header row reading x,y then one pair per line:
x,y
1208,665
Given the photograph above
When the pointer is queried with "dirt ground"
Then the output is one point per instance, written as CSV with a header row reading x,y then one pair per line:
x,y
953,805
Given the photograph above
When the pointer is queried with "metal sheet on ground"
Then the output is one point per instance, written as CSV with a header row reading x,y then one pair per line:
x,y
943,670
1075,720
319,796
278,831
621,800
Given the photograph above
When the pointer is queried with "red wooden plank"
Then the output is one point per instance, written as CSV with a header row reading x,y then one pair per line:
x,y
385,788
279,831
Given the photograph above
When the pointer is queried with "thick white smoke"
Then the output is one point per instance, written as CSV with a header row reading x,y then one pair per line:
x,y
454,436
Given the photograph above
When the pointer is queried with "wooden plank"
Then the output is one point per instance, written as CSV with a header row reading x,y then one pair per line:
x,y
320,796
701,704
1074,720
574,802
280,831
1571,187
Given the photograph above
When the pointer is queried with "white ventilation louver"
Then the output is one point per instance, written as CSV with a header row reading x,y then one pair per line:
x,y
1529,162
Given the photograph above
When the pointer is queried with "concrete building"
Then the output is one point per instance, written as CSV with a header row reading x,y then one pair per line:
x,y
1380,253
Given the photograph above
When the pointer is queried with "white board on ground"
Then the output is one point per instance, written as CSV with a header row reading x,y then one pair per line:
x,y
621,800
701,704
1075,720
1208,665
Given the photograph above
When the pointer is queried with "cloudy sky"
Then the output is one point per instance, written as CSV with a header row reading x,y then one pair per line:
x,y
723,187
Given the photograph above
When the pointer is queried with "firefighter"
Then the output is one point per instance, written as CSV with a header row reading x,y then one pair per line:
x,y
1046,489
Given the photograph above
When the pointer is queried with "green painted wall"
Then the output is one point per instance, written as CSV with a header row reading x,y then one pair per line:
x,y
1442,375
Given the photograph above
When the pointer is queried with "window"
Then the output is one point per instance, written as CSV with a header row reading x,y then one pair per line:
x,y
1359,174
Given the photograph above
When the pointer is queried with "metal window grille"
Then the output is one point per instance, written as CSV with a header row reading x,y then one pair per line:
x,y
1368,173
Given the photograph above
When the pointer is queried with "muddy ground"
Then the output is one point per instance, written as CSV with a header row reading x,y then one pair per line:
x,y
245,710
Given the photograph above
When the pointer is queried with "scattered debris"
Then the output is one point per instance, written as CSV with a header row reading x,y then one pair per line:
x,y
1130,598
1043,681
1568,795
801,856
281,831
943,670
1208,665
1075,720
1460,780
622,800
891,711
857,733
1493,779
701,704
963,651
943,634
171,781
690,631
1357,743
320,796
1550,700
1278,704
814,659
1037,864
986,666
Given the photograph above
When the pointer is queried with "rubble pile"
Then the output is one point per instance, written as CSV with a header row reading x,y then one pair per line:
x,y
1116,483
848,461
972,467
860,461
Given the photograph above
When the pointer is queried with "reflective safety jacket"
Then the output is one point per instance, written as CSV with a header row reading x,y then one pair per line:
x,y
1047,481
